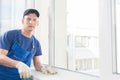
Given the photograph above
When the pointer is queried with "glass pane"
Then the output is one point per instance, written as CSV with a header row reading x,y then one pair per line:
x,y
83,36
10,11
17,13
5,15
77,36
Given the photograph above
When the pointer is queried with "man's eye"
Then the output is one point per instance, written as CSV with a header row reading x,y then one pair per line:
x,y
34,20
28,19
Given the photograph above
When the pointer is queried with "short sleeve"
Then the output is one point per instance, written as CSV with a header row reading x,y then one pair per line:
x,y
6,40
38,49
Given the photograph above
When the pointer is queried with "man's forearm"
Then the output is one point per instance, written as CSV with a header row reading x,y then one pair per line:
x,y
37,63
6,61
38,66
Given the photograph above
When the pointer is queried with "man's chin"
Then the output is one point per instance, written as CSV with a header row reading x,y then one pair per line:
x,y
30,30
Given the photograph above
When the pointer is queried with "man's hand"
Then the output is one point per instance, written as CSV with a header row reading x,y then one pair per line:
x,y
48,70
45,69
23,70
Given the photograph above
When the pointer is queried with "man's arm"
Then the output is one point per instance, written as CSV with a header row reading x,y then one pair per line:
x,y
6,61
44,69
37,63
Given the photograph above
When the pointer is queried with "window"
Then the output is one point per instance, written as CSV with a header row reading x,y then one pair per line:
x,y
77,36
11,14
82,25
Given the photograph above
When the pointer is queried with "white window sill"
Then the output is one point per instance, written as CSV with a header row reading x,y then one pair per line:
x,y
63,75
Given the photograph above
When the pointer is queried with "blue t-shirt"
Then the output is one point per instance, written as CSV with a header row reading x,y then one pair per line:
x,y
9,37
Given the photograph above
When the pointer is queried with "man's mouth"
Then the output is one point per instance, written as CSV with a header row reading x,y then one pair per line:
x,y
30,26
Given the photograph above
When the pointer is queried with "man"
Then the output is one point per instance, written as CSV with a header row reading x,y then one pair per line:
x,y
18,47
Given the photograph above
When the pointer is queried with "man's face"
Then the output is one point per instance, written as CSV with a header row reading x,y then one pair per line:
x,y
30,22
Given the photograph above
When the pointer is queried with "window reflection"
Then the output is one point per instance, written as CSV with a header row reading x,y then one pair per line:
x,y
83,26
81,41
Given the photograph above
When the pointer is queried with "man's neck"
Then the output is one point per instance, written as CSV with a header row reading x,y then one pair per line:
x,y
26,33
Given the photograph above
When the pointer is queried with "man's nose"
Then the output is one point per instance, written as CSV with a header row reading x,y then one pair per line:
x,y
31,21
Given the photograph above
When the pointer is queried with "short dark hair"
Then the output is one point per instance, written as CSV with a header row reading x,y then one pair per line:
x,y
33,11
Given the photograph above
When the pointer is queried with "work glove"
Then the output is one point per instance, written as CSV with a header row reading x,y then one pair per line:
x,y
23,70
48,70
31,78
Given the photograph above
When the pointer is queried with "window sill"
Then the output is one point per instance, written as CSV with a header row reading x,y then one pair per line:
x,y
63,75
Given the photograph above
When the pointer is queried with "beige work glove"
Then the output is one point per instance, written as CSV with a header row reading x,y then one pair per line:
x,y
23,70
48,70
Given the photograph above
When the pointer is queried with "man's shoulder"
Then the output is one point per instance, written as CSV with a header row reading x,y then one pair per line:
x,y
15,31
11,33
